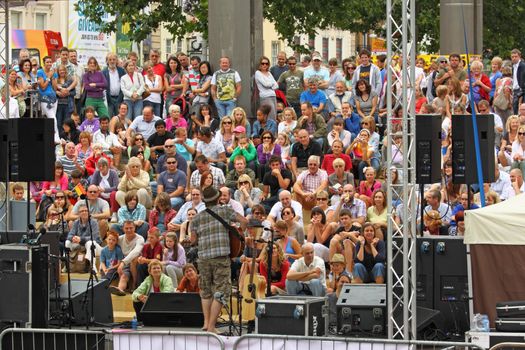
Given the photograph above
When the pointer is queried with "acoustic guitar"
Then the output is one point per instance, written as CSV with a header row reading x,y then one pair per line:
x,y
253,289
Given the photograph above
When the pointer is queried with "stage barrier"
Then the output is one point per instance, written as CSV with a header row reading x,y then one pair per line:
x,y
277,342
52,339
508,345
164,340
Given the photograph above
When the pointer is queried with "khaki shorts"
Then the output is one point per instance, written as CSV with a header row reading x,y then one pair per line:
x,y
215,276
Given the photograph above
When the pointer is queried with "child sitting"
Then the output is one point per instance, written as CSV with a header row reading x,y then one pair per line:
x,y
110,256
152,250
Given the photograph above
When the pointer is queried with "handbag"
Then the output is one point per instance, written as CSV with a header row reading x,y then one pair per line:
x,y
501,101
236,239
146,92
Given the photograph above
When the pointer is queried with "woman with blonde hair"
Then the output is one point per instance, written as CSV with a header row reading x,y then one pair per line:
x,y
135,179
246,193
154,83
511,134
239,118
280,268
455,96
518,151
289,122
225,134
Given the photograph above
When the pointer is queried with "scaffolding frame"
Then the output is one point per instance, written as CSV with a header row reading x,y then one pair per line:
x,y
401,258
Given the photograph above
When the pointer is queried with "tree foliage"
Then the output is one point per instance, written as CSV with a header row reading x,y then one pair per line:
x,y
502,28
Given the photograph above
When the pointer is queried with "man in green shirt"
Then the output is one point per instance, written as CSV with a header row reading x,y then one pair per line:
x,y
293,83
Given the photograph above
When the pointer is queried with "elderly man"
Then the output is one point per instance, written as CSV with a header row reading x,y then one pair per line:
x,y
225,199
158,67
307,275
143,124
108,140
312,122
113,73
98,208
501,183
131,244
301,151
517,185
309,183
70,160
433,199
173,182
285,201
203,165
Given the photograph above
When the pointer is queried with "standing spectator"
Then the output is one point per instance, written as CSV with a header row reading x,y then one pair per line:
x,y
79,73
481,85
518,79
65,88
201,90
95,84
280,67
225,87
367,71
334,77
450,69
113,73
193,76
174,81
154,84
132,86
266,84
158,67
292,81
495,74
47,96
317,72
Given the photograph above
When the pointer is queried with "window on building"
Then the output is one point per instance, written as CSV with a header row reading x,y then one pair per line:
x,y
40,21
339,49
276,47
311,43
179,45
16,20
325,49
168,46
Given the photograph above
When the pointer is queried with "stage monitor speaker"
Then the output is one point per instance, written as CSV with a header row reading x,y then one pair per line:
x,y
173,309
428,149
464,169
362,308
451,283
25,291
31,149
103,307
429,323
3,149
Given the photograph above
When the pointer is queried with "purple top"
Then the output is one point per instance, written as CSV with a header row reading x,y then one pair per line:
x,y
265,157
97,78
181,257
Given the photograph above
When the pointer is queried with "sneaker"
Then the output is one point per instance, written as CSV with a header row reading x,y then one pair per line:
x,y
116,291
114,217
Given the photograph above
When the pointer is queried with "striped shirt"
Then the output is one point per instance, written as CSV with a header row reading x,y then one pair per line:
x,y
311,182
218,178
69,165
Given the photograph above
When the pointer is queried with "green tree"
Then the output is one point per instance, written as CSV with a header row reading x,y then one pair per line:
x,y
503,28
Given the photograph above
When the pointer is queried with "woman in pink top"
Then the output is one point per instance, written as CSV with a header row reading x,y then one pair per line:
x,y
49,188
175,119
368,186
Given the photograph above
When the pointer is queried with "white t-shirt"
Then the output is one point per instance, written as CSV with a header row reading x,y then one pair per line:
x,y
300,266
278,207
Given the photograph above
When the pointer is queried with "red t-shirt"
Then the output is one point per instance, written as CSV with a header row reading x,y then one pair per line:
x,y
150,252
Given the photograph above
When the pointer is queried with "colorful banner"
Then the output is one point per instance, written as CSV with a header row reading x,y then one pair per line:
x,y
85,36
124,43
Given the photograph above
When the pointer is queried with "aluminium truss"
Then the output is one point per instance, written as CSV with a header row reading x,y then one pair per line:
x,y
401,258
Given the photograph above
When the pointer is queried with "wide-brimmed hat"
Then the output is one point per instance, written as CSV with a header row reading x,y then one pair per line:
x,y
210,194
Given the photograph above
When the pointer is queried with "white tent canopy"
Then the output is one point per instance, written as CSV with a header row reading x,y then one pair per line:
x,y
500,224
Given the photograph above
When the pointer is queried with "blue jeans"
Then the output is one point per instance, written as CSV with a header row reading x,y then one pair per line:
x,y
366,276
134,108
374,163
296,287
225,107
176,202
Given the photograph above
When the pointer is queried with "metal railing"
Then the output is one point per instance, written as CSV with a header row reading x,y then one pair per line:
x,y
278,342
508,345
51,339
160,340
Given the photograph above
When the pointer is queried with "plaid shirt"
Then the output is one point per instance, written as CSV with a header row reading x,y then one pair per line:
x,y
213,240
357,208
218,178
311,182
124,214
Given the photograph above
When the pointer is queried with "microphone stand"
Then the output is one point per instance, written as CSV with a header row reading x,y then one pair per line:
x,y
90,287
269,263
68,269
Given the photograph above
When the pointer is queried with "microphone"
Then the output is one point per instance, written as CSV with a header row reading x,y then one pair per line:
x,y
219,296
36,241
83,196
268,229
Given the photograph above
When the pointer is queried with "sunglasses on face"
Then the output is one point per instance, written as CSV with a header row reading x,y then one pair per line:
x,y
264,63
322,199
59,197
139,139
227,122
521,133
171,162
243,183
267,138
168,146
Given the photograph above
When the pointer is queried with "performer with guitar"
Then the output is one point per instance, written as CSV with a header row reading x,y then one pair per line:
x,y
216,241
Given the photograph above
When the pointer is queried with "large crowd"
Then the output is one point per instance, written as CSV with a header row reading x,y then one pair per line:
x,y
153,146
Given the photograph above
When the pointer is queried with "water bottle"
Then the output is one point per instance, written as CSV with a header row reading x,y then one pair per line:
x,y
476,324
134,323
485,323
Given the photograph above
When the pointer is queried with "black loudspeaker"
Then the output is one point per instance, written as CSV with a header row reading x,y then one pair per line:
x,y
428,149
464,165
103,307
429,324
3,149
173,309
31,149
25,290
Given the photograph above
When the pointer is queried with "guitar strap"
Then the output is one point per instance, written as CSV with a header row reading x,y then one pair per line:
x,y
221,220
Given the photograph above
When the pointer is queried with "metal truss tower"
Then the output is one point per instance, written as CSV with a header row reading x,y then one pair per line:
x,y
401,253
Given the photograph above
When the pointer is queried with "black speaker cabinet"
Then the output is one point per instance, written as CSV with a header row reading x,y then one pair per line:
x,y
464,165
3,149
25,290
428,149
81,301
173,309
31,149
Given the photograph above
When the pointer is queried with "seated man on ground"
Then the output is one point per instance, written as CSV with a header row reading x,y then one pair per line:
x,y
309,183
307,276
